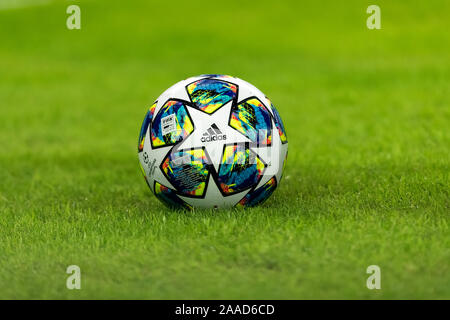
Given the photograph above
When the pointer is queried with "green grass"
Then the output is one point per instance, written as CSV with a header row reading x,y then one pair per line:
x,y
367,178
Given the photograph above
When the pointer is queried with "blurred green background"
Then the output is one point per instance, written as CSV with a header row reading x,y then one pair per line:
x,y
367,116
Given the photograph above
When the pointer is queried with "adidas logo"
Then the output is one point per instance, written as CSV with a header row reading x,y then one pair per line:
x,y
213,134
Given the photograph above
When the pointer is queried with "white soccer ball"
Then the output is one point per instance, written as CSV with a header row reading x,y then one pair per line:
x,y
212,141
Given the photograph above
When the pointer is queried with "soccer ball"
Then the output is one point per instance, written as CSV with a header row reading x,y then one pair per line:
x,y
212,141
